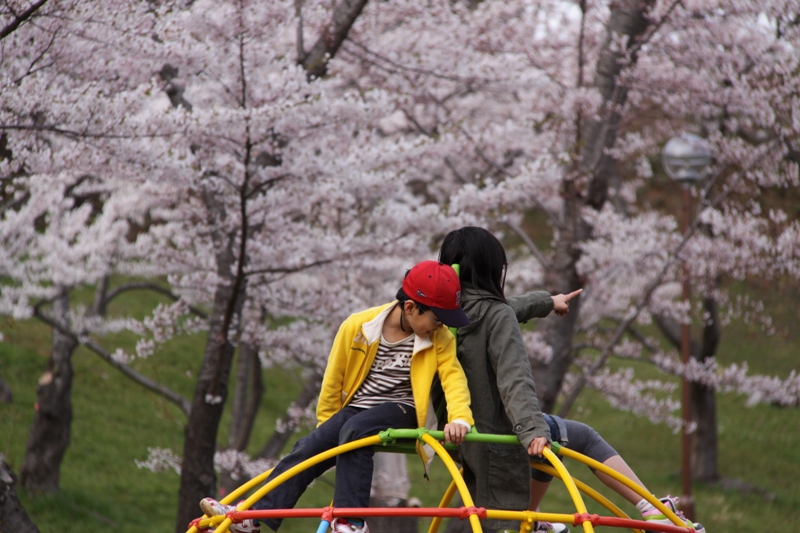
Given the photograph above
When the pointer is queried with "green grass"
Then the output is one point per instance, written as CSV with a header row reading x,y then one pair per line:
x,y
115,421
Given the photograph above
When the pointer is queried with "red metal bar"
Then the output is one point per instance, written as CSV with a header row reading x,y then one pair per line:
x,y
460,512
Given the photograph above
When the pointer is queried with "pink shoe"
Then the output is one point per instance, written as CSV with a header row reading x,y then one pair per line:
x,y
656,517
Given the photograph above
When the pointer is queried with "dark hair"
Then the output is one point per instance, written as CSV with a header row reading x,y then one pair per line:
x,y
480,255
403,297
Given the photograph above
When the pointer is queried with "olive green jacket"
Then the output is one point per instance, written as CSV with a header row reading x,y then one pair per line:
x,y
504,400
495,361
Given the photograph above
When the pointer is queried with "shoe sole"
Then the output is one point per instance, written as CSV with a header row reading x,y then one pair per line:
x,y
207,509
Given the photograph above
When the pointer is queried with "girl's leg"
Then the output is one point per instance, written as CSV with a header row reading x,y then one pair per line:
x,y
538,490
618,463
584,439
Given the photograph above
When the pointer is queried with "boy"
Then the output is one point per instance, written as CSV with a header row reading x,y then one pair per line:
x,y
379,375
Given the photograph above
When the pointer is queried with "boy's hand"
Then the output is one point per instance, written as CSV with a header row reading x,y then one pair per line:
x,y
561,302
537,445
455,433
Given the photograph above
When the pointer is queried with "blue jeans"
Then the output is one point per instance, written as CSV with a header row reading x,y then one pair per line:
x,y
353,469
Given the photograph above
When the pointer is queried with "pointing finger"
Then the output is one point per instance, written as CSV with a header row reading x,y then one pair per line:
x,y
572,295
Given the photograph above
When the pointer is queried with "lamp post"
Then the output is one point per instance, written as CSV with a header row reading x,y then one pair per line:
x,y
686,158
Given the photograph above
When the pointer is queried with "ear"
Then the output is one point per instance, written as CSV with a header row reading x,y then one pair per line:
x,y
409,306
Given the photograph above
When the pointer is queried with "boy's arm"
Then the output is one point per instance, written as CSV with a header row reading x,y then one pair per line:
x,y
534,304
330,394
454,381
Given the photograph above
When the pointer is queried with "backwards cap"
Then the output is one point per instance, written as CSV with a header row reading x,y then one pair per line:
x,y
436,285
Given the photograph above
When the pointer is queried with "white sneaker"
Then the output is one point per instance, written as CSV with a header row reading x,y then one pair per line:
x,y
212,507
342,525
655,516
550,527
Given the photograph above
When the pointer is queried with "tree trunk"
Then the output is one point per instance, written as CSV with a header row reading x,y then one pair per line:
x,y
627,19
246,397
703,406
13,517
50,432
198,477
705,464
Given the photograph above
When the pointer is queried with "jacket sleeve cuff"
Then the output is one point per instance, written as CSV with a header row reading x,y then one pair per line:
x,y
463,423
527,437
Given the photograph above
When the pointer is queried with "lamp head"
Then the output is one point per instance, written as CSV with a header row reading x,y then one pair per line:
x,y
686,158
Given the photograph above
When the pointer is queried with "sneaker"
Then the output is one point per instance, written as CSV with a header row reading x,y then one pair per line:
x,y
655,516
343,525
548,527
212,507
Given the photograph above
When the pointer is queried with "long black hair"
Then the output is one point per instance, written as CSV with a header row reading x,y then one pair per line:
x,y
480,255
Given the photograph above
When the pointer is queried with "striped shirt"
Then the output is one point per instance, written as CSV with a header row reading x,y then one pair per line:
x,y
389,377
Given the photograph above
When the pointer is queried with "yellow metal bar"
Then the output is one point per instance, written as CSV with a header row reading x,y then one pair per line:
x,y
524,516
466,497
570,484
638,489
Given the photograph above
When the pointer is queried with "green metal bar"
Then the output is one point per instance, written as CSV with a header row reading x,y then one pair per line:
x,y
390,435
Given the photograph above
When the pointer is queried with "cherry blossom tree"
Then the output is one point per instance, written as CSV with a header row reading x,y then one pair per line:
x,y
257,190
63,225
281,163
560,111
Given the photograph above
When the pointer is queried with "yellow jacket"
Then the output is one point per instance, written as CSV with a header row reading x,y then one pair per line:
x,y
354,350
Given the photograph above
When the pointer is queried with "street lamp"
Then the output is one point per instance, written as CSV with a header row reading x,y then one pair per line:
x,y
686,158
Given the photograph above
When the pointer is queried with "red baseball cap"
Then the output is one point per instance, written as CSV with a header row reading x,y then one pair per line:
x,y
436,285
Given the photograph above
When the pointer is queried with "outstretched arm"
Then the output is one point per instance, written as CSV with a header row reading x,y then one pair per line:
x,y
531,305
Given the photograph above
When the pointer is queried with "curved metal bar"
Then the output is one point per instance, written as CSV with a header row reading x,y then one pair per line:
x,y
260,493
638,489
571,488
466,497
586,489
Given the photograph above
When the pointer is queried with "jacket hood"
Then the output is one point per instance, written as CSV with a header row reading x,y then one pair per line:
x,y
475,302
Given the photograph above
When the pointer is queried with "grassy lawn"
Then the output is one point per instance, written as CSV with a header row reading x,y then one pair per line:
x,y
115,422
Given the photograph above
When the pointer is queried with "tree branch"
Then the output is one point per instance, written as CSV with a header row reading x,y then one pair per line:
x,y
19,19
74,134
516,228
301,49
133,286
177,399
333,35
289,270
